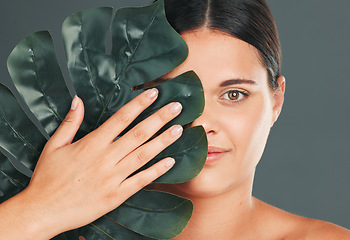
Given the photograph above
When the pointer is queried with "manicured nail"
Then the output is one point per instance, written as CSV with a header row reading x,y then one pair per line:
x,y
175,107
177,130
152,93
74,103
170,162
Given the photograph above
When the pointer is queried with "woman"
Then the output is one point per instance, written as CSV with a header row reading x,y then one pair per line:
x,y
234,48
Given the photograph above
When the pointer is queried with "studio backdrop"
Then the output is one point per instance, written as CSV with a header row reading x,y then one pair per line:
x,y
305,168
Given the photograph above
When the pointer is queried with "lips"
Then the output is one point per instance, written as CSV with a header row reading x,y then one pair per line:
x,y
215,154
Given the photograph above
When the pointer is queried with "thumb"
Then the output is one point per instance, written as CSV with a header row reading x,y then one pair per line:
x,y
66,131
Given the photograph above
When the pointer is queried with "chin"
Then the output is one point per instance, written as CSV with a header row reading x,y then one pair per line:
x,y
206,184
193,190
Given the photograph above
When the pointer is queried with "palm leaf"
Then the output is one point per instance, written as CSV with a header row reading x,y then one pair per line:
x,y
18,135
11,180
145,47
128,220
37,76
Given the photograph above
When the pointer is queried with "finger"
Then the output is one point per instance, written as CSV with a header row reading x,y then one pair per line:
x,y
135,183
148,151
125,115
66,131
144,130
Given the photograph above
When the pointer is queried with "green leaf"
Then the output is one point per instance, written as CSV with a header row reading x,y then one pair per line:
x,y
11,180
37,76
186,89
104,229
91,69
149,206
144,40
189,152
18,135
145,47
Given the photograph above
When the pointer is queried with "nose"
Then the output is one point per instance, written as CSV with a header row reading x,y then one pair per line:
x,y
208,120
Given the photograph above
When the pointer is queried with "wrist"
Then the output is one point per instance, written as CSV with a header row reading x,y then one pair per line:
x,y
23,211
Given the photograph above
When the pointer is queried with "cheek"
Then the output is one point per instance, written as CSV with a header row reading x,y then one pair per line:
x,y
250,130
244,128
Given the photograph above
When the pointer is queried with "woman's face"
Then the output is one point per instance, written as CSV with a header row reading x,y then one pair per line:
x,y
240,108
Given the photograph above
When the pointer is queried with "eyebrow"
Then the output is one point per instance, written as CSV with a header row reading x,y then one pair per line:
x,y
237,81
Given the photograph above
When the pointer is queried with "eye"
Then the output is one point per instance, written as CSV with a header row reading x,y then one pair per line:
x,y
234,95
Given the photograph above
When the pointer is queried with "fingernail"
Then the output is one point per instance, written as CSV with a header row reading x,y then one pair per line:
x,y
74,103
177,130
175,107
170,162
152,93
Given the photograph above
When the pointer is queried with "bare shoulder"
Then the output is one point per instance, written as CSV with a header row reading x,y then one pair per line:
x,y
317,229
291,226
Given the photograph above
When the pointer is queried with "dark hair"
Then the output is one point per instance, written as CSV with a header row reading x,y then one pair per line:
x,y
248,20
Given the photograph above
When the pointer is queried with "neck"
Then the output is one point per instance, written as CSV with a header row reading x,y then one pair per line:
x,y
228,212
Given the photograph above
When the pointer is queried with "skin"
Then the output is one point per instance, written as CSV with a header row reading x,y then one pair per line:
x,y
239,125
59,197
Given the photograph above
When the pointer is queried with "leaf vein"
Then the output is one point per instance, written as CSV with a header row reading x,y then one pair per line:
x,y
12,179
149,58
37,77
17,133
102,231
150,23
86,58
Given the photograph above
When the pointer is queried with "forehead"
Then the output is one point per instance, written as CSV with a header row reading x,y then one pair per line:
x,y
216,55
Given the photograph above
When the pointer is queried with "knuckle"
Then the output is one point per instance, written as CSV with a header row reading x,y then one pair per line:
x,y
110,198
158,170
122,118
163,115
141,157
142,181
88,145
83,146
165,139
142,101
67,120
139,134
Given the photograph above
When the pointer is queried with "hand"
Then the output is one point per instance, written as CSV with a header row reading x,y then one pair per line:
x,y
75,183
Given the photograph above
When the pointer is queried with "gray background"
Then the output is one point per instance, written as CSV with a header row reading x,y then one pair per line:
x,y
305,167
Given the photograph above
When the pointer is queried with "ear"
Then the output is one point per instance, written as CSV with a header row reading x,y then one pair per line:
x,y
278,97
